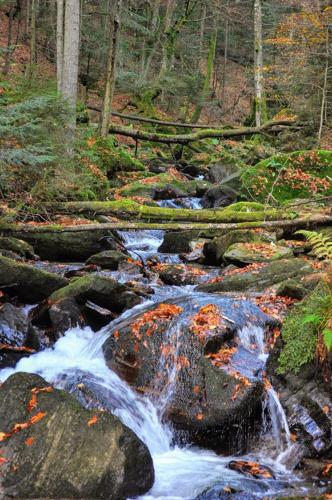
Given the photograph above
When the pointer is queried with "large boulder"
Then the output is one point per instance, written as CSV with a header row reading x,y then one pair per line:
x,y
172,352
258,277
29,283
177,242
219,196
56,244
248,253
214,250
63,450
302,381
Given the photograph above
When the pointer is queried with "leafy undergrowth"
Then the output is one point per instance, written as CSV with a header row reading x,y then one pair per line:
x,y
302,328
285,177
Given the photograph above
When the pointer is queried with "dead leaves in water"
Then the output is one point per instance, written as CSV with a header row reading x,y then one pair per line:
x,y
222,357
7,347
150,319
252,469
207,319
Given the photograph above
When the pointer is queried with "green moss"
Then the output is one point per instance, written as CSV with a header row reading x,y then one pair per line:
x,y
301,329
245,206
290,176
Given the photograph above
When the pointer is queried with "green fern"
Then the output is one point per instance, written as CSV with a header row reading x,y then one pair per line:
x,y
321,244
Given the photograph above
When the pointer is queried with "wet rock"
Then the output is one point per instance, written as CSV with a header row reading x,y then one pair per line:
x,y
219,196
109,259
59,245
100,290
64,314
168,192
214,250
248,253
219,172
213,405
177,242
179,274
29,283
19,247
11,255
17,333
68,452
259,279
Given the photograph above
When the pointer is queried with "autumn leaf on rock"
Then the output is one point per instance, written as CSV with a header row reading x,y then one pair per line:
x,y
19,427
29,441
35,391
93,420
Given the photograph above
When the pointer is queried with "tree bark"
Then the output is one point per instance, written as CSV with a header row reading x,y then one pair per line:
x,y
195,136
59,44
9,41
106,112
20,229
325,85
70,62
259,82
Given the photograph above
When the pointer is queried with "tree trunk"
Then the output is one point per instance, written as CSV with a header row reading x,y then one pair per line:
x,y
208,76
59,44
260,110
70,59
325,85
106,113
33,41
9,41
165,46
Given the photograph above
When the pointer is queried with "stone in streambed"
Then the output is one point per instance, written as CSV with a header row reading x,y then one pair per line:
x,y
109,259
214,250
18,247
259,278
248,253
179,274
29,283
70,452
101,290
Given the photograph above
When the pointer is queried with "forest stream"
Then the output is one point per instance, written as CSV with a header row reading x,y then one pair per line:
x,y
182,471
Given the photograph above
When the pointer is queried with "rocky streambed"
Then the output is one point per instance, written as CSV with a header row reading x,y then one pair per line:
x,y
150,367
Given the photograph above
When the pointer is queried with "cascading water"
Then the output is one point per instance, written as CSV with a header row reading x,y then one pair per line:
x,y
181,472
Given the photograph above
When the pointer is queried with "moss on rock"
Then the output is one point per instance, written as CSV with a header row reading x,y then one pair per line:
x,y
289,176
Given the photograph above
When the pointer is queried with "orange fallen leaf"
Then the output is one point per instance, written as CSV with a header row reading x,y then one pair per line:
x,y
326,409
93,420
3,460
196,389
30,441
199,416
35,391
19,427
327,470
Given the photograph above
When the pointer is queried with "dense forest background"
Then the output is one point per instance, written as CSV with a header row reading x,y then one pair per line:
x,y
218,62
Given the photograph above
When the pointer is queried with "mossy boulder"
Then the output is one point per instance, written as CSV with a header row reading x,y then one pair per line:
x,y
57,244
174,183
19,247
247,253
70,452
290,176
214,250
109,259
259,279
29,283
181,274
101,290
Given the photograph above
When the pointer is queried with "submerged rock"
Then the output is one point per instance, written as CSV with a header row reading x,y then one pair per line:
x,y
171,352
29,283
66,451
179,274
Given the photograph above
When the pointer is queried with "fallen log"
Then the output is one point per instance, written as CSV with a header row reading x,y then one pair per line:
x,y
153,121
20,230
186,139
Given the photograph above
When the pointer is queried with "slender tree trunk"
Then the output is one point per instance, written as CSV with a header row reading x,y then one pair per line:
x,y
71,59
33,44
59,44
27,19
259,81
9,41
202,29
106,113
325,85
165,45
224,74
208,76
